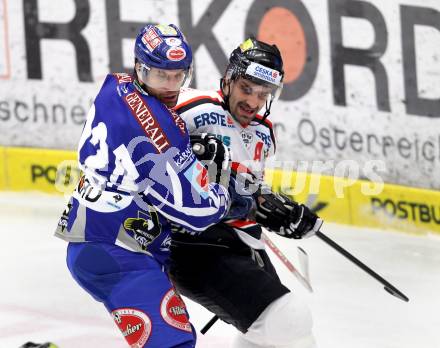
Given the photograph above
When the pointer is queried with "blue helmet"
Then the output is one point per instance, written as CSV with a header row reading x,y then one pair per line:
x,y
163,46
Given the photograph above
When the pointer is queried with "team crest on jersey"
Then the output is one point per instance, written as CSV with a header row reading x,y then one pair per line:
x,y
247,138
145,228
173,311
135,325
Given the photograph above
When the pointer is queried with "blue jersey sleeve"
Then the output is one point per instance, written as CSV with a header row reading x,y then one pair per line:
x,y
184,195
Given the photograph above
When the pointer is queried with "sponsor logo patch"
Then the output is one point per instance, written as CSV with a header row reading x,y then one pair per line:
x,y
121,77
213,118
151,39
135,325
166,30
145,229
197,175
173,41
263,73
178,121
182,157
246,45
173,311
176,54
147,121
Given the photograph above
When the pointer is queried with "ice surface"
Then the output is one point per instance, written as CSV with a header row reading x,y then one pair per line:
x,y
40,301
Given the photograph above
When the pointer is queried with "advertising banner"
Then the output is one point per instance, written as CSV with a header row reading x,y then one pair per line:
x,y
361,77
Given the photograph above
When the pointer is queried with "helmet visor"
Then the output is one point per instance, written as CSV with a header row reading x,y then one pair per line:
x,y
164,79
263,91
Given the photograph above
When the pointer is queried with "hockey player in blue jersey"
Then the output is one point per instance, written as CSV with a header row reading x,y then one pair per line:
x,y
140,177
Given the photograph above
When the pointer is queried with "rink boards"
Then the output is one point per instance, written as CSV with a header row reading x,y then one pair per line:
x,y
339,200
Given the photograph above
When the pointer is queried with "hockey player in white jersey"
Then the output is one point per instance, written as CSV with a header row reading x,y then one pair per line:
x,y
227,269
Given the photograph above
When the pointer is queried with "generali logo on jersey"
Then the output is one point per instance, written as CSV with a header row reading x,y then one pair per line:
x,y
173,311
135,325
148,122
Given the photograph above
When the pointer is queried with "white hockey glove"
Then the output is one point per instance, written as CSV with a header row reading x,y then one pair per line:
x,y
213,154
279,214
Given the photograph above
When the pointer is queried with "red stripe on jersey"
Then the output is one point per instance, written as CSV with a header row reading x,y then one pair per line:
x,y
241,223
178,120
266,121
192,100
241,168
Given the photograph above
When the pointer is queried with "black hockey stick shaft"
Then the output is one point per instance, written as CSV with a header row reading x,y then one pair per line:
x,y
388,287
208,325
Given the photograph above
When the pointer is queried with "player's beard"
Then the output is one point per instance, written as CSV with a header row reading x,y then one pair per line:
x,y
244,114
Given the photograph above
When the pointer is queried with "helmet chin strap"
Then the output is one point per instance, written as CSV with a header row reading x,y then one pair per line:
x,y
140,86
267,112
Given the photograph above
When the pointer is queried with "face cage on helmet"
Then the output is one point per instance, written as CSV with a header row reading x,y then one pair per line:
x,y
145,75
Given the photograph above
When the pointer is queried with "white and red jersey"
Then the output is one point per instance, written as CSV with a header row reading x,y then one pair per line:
x,y
205,112
251,145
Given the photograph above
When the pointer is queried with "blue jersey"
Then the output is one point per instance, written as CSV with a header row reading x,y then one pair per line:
x,y
140,175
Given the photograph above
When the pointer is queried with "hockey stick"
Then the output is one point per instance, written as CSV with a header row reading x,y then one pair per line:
x,y
388,287
303,279
208,325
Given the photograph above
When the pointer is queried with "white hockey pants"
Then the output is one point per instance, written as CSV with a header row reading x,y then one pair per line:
x,y
285,323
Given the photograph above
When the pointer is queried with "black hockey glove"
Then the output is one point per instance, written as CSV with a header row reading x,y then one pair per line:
x,y
279,214
213,154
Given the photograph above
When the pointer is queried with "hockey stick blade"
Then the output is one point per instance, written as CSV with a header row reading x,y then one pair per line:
x,y
395,292
391,289
304,263
304,280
